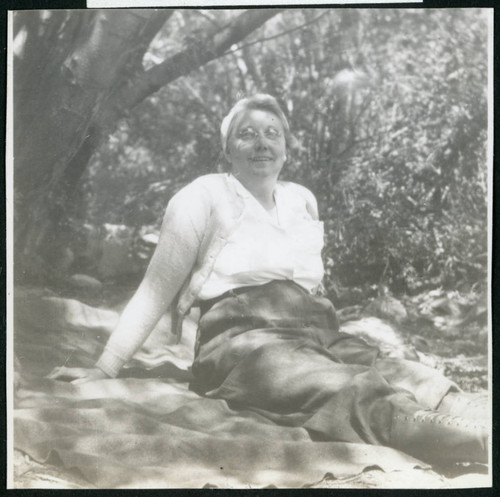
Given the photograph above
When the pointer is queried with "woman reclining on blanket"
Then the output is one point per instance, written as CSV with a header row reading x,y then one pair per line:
x,y
246,248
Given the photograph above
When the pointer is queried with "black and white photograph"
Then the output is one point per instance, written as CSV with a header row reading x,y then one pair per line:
x,y
249,248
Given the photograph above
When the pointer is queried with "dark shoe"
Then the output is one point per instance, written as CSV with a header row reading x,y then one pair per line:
x,y
466,405
439,438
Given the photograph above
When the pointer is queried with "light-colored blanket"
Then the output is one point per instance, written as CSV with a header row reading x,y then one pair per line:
x,y
146,428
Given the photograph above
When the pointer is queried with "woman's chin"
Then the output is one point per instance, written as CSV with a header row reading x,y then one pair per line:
x,y
264,168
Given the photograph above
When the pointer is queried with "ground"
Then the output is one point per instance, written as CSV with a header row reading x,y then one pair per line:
x,y
30,474
444,336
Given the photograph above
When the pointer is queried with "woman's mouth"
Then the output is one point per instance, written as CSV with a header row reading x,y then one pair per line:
x,y
261,159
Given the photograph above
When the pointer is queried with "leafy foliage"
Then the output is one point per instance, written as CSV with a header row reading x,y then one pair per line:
x,y
389,110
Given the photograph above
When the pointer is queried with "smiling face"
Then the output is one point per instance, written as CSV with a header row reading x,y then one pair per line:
x,y
256,147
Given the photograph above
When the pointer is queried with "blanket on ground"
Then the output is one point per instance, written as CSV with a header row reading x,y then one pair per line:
x,y
146,428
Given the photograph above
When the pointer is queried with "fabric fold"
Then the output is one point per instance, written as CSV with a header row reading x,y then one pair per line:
x,y
147,429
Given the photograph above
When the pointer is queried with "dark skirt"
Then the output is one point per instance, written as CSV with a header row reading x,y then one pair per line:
x,y
276,349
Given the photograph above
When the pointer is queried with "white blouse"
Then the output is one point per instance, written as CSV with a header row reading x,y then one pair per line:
x,y
283,244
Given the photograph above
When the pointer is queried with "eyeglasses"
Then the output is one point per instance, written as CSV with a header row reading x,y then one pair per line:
x,y
250,134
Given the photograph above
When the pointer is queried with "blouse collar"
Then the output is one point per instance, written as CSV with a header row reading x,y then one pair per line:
x,y
243,191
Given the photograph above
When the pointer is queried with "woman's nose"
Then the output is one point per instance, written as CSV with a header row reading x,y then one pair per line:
x,y
261,142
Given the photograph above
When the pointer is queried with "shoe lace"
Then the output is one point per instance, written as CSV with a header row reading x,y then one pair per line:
x,y
428,416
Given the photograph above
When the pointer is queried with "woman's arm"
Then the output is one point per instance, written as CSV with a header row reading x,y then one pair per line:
x,y
172,262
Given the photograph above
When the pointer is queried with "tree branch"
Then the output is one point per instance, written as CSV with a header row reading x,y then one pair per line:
x,y
283,33
216,42
103,52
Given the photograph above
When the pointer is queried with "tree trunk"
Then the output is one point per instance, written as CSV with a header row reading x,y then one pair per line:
x,y
64,72
76,74
210,46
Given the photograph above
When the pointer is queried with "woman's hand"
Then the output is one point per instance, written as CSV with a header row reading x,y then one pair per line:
x,y
77,375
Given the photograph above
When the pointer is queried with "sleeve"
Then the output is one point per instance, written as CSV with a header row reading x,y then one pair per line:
x,y
182,230
312,204
310,200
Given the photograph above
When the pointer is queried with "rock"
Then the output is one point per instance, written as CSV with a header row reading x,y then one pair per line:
x,y
350,313
145,245
420,343
388,308
106,250
116,258
378,332
85,282
150,238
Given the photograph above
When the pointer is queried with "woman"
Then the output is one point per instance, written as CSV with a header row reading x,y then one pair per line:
x,y
246,248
